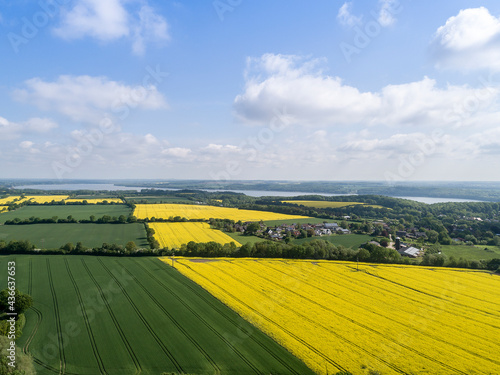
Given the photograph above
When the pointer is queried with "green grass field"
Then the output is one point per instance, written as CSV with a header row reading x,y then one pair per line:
x,y
311,220
347,240
53,236
62,212
471,252
242,239
125,316
151,200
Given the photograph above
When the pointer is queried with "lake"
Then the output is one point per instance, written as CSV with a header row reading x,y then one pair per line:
x,y
251,193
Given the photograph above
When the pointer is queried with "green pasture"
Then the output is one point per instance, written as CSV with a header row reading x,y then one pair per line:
x,y
347,240
79,212
53,236
471,252
125,316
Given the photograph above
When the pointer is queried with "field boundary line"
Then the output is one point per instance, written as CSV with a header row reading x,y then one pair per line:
x,y
297,338
90,333
238,353
144,321
258,342
62,356
115,321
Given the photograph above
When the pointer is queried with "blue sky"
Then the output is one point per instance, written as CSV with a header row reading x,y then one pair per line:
x,y
240,89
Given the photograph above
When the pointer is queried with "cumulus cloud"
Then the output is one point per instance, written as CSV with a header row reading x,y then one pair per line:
x,y
111,20
150,28
346,17
86,98
468,41
312,98
178,152
11,130
388,8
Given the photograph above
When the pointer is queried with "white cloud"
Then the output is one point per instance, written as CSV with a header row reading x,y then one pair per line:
x,y
469,41
111,20
26,144
346,17
150,28
312,98
40,125
103,20
11,130
178,152
86,98
387,10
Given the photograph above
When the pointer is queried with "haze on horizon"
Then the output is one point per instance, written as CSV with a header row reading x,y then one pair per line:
x,y
237,90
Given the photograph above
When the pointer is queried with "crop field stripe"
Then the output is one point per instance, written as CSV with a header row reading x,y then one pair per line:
x,y
115,321
90,333
406,296
62,357
227,318
391,319
346,280
305,317
381,334
431,282
198,316
479,311
37,312
144,321
297,338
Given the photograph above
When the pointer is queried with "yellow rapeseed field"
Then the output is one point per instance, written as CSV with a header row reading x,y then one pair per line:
x,y
326,204
33,198
3,208
165,211
44,198
384,319
173,235
94,201
4,201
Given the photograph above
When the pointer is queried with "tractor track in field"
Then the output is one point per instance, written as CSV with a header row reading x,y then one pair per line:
x,y
149,328
90,333
62,356
125,341
37,312
478,311
230,320
238,353
395,293
434,337
426,279
306,318
291,334
407,347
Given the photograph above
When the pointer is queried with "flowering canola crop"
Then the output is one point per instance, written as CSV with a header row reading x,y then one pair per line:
x,y
173,235
388,318
94,201
164,211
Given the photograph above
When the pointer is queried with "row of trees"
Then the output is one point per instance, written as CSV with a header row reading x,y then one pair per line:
x,y
105,219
